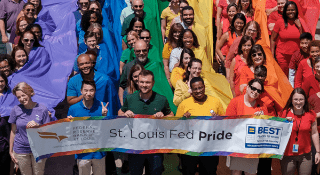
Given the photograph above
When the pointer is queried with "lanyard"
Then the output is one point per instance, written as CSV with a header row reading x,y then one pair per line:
x,y
298,128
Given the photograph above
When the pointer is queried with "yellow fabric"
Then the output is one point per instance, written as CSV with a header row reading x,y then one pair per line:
x,y
181,92
167,48
169,16
176,74
200,109
201,55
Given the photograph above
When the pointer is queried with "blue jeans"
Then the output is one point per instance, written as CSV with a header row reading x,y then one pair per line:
x,y
154,163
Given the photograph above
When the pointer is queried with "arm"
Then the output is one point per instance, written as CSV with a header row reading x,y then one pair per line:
x,y
12,136
180,94
219,22
220,43
315,139
121,66
73,99
3,31
163,28
120,93
298,78
166,68
271,26
291,76
174,58
274,37
231,77
269,11
124,45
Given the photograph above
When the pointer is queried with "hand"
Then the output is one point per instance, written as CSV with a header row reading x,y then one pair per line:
x,y
32,124
129,114
289,119
298,23
104,109
97,46
259,113
317,158
50,114
158,114
190,90
5,39
187,114
70,117
213,114
14,160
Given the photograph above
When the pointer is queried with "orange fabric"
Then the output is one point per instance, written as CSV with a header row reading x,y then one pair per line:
x,y
237,74
237,107
227,44
246,75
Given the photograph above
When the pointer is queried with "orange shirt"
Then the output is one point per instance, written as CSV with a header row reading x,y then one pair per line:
x,y
237,73
246,75
237,107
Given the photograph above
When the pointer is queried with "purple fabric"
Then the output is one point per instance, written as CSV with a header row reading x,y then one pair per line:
x,y
21,116
9,11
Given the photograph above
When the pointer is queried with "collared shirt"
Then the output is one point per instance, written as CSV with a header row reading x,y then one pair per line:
x,y
79,110
156,103
9,11
125,13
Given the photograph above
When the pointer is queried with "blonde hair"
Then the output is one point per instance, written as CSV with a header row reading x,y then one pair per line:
x,y
24,87
133,33
96,26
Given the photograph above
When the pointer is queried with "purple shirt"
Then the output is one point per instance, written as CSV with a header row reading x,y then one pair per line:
x,y
21,116
9,11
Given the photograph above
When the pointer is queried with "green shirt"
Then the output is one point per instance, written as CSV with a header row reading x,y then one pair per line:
x,y
156,103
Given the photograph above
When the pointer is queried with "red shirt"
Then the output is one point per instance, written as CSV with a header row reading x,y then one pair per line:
x,y
273,18
310,85
296,58
270,4
237,72
273,107
226,25
223,5
288,38
314,102
304,137
246,75
237,107
233,51
303,71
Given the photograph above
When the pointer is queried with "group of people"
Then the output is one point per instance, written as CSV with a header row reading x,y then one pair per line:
x,y
265,67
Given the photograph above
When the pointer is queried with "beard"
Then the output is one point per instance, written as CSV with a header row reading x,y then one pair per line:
x,y
142,59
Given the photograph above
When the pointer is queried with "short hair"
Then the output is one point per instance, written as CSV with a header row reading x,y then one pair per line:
x,y
91,52
188,51
145,30
89,34
184,1
194,80
260,71
232,5
306,35
256,80
289,104
88,82
237,16
187,8
8,59
24,87
316,60
28,3
174,28
255,48
243,40
97,3
13,54
39,8
35,43
5,80
96,26
33,25
85,20
314,43
284,14
135,19
22,18
133,33
195,39
187,72
146,73
256,25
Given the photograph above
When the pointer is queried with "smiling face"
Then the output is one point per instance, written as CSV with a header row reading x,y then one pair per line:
x,y
176,35
146,37
257,58
93,18
198,91
22,26
186,59
232,11
195,70
5,68
238,24
145,84
137,27
23,98
245,4
135,76
187,40
281,4
95,8
304,43
137,7
27,41
91,42
29,11
88,92
252,90
314,52
298,101
85,64
37,32
2,84
291,11
83,4
317,68
188,17
36,3
131,39
252,31
141,51
246,47
20,58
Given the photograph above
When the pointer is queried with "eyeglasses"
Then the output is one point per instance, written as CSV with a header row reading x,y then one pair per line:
x,y
298,100
27,40
255,89
252,31
139,51
144,37
32,10
256,54
138,6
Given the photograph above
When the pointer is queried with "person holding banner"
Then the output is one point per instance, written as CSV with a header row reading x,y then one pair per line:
x,y
298,152
145,102
247,104
199,104
89,106
28,114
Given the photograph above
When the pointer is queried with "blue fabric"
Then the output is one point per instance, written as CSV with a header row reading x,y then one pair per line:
x,y
105,90
48,67
79,32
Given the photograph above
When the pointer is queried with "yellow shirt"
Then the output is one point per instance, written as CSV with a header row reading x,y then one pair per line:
x,y
200,109
201,54
176,74
167,48
169,16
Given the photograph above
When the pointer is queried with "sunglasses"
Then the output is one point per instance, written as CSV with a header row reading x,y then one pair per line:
x,y
144,37
255,89
256,54
139,51
27,40
32,10
83,3
136,6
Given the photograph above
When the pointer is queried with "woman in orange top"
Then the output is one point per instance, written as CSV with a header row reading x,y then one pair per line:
x,y
235,30
256,57
247,104
225,23
245,7
238,63
172,41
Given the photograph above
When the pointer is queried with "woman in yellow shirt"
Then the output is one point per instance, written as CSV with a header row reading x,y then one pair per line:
x,y
167,15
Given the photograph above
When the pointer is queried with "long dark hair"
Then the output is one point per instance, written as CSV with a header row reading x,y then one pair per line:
x,y
135,19
188,51
284,14
255,48
8,59
175,27
187,73
134,68
237,16
289,104
36,42
5,80
250,9
195,39
32,25
85,20
13,54
243,40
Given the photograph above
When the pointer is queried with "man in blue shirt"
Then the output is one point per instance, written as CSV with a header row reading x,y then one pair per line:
x,y
89,106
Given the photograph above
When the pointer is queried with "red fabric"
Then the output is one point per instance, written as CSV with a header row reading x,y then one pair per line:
x,y
236,107
283,61
226,25
230,41
214,10
303,71
246,75
233,51
273,18
296,58
314,102
304,137
288,38
310,85
272,106
270,4
237,72
223,5
248,19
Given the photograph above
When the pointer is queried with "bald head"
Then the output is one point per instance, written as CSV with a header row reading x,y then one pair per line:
x,y
84,63
137,7
83,57
141,50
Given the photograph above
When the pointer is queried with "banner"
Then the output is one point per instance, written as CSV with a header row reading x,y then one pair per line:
x,y
245,136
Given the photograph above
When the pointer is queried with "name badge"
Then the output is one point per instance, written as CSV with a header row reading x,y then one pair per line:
x,y
295,148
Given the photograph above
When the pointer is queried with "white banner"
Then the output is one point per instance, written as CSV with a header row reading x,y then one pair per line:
x,y
246,136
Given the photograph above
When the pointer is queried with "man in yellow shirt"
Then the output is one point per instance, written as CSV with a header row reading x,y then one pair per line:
x,y
199,104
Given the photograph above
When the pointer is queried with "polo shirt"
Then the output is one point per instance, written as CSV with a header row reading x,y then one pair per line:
x,y
196,108
296,58
9,11
125,13
79,110
156,103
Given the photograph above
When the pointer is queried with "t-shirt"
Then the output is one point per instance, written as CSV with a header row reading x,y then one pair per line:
x,y
237,107
169,16
246,75
296,58
310,85
288,37
237,73
21,116
79,110
304,71
304,137
223,5
314,102
200,108
273,18
174,57
167,49
9,11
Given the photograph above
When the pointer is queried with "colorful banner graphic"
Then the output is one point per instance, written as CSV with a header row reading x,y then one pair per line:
x,y
245,136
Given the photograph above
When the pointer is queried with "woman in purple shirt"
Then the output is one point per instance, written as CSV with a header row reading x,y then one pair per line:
x,y
28,114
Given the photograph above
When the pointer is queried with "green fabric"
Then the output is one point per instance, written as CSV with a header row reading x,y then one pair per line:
x,y
162,4
156,103
127,55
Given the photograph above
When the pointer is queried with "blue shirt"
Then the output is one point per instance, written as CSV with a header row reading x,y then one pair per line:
x,y
79,110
